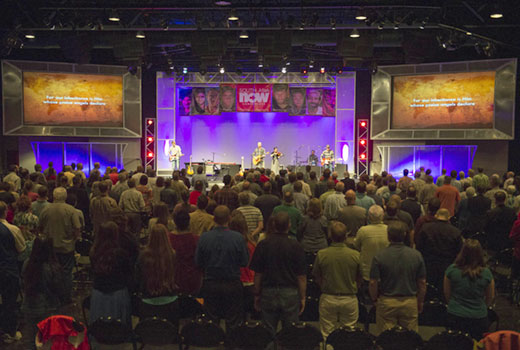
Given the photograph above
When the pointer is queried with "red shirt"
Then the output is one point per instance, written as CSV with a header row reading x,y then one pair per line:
x,y
263,178
114,177
193,197
246,274
32,195
188,277
449,197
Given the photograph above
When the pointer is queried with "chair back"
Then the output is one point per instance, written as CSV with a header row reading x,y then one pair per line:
x,y
450,340
157,332
251,336
168,311
399,338
434,314
110,331
299,336
311,313
189,307
346,338
493,318
202,333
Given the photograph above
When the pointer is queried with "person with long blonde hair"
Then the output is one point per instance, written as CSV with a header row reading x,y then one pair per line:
x,y
156,265
469,289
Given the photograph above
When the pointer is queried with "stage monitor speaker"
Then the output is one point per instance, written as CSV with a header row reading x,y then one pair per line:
x,y
209,169
316,169
231,170
340,169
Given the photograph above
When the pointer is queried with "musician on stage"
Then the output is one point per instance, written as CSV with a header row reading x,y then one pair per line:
x,y
327,158
275,162
259,156
175,155
313,158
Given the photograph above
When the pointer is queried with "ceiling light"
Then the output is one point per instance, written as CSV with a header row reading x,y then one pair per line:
x,y
354,33
311,64
260,65
222,3
380,26
496,13
30,35
396,26
243,35
222,70
284,70
233,16
469,33
184,70
322,70
114,17
361,16
288,63
140,35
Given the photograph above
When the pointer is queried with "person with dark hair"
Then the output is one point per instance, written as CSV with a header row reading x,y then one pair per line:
x,y
28,190
146,192
440,180
330,191
469,288
253,215
112,275
306,189
6,196
200,220
161,215
197,192
212,205
83,201
411,205
397,282
499,222
199,176
433,205
25,219
298,102
41,202
439,243
184,203
267,202
338,272
418,183
454,182
322,186
427,192
42,281
352,215
312,232
169,195
226,195
362,199
220,254
393,212
132,204
448,195
280,276
101,207
295,216
214,189
404,181
188,276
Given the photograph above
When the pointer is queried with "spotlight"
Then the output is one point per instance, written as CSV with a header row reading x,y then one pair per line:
x,y
222,3
304,70
322,70
363,124
361,16
333,23
30,35
140,35
469,33
114,17
362,142
284,70
363,156
311,64
243,35
496,13
233,16
222,70
260,65
150,139
354,33
380,26
150,154
150,121
396,26
288,63
184,70
340,70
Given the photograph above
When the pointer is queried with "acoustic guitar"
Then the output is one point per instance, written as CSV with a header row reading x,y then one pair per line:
x,y
258,159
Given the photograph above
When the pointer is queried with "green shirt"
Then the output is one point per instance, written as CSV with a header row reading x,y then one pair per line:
x,y
338,267
294,215
324,197
467,297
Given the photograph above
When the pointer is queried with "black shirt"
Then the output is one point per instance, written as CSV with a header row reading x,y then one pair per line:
x,y
412,207
499,223
119,277
350,184
266,204
280,260
7,198
169,196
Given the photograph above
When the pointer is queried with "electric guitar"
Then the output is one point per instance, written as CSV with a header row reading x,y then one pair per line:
x,y
172,157
241,172
326,161
189,171
258,159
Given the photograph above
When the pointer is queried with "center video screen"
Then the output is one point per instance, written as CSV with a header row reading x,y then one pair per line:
x,y
444,101
62,99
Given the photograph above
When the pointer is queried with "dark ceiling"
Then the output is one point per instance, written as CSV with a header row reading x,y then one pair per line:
x,y
197,34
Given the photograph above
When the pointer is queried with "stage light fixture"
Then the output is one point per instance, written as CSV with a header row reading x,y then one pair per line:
x,y
288,63
150,154
184,70
233,16
140,35
222,70
362,142
322,70
496,12
150,121
260,65
150,139
469,33
363,124
361,15
114,17
30,35
284,70
396,26
340,70
222,3
304,70
311,64
380,26
243,35
363,156
354,33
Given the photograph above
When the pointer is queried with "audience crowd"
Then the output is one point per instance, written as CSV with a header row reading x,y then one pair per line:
x,y
256,246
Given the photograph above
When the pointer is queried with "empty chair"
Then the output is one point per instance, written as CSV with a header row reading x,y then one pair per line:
x,y
311,313
399,338
251,336
111,331
450,340
433,315
299,336
202,333
346,338
157,332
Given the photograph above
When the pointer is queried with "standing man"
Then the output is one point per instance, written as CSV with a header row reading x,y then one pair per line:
x,y
132,204
61,222
397,282
175,155
220,254
327,158
338,273
259,156
313,158
448,195
280,276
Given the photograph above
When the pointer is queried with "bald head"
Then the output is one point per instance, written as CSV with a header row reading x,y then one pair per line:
x,y
350,197
340,186
442,214
221,215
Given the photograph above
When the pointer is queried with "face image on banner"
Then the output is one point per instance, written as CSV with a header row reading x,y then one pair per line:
x,y
281,101
314,102
199,102
228,97
297,101
246,97
213,97
184,101
263,97
329,102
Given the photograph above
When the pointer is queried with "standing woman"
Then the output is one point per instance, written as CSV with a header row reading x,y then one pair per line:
x,y
312,232
469,289
112,272
275,164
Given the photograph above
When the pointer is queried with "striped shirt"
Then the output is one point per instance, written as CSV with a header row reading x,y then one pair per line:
x,y
253,216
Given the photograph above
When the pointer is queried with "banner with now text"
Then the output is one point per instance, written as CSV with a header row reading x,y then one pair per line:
x,y
254,97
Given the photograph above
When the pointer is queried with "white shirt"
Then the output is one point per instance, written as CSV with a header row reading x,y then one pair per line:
x,y
175,151
19,240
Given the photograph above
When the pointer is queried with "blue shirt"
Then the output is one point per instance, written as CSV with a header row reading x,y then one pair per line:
x,y
364,201
220,253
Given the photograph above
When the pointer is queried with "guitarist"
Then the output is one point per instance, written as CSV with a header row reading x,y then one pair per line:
x,y
258,156
327,157
175,155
